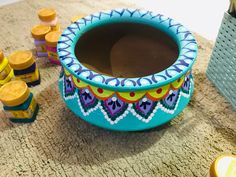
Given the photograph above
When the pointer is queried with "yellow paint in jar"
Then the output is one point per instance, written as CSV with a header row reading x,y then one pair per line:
x,y
48,17
18,102
6,73
25,68
51,43
9,77
223,166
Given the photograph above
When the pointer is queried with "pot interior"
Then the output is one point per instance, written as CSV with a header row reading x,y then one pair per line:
x,y
126,50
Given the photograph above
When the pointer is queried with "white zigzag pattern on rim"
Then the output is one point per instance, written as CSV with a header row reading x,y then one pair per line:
x,y
99,106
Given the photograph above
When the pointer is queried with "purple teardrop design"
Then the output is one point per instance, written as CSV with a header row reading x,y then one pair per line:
x,y
87,99
144,107
114,107
186,84
171,99
69,87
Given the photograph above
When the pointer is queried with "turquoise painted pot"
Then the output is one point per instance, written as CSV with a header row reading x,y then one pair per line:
x,y
126,104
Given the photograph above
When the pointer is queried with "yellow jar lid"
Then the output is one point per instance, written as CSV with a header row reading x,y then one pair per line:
x,y
14,93
75,18
224,165
1,56
52,38
39,31
47,14
21,59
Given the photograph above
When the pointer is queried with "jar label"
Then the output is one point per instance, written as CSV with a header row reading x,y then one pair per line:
x,y
22,113
7,79
41,48
53,55
4,73
52,49
29,77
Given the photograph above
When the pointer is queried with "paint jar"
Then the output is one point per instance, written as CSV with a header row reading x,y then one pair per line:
x,y
51,45
6,72
18,102
223,166
75,18
39,32
48,17
24,66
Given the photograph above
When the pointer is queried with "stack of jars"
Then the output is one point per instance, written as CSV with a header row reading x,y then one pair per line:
x,y
18,102
6,72
46,35
15,96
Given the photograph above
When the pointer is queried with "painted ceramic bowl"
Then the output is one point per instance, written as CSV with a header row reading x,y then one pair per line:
x,y
126,103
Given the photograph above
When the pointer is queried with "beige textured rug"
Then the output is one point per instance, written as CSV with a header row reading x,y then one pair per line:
x,y
59,144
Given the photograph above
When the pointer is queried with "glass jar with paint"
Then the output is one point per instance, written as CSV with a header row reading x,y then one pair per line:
x,y
18,102
39,32
223,166
48,16
25,68
51,43
6,72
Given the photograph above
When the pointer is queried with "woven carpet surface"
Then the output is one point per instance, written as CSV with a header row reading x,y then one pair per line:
x,y
60,144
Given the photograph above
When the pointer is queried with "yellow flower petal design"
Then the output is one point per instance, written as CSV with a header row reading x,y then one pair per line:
x,y
158,93
101,93
79,83
131,96
66,72
178,83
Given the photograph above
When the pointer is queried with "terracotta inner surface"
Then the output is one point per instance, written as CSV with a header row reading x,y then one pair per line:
x,y
126,50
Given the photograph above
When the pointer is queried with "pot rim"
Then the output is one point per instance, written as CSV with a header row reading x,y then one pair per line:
x,y
185,41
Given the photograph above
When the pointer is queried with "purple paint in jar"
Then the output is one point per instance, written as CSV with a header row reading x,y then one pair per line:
x,y
40,46
39,32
